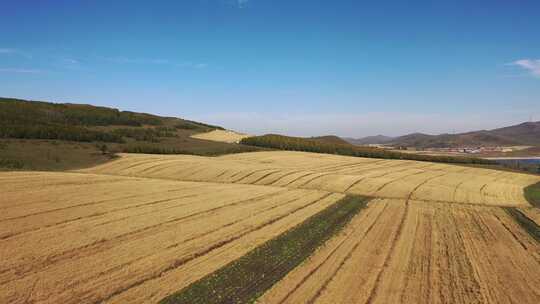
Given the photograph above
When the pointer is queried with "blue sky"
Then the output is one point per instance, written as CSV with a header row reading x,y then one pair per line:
x,y
305,67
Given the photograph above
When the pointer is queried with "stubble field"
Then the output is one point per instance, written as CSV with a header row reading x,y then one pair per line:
x,y
221,136
143,227
363,176
416,252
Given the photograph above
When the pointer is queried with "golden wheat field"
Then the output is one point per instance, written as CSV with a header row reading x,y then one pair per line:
x,y
144,226
341,174
420,253
221,136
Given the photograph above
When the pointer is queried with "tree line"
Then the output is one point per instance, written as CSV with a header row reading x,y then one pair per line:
x,y
16,111
302,144
58,132
77,122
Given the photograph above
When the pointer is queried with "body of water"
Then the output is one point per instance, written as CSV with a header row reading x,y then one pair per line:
x,y
525,161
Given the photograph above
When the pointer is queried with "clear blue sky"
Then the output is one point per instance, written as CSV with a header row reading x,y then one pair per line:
x,y
303,67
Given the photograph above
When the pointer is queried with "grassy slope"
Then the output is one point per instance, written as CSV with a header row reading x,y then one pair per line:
x,y
246,279
48,136
49,155
532,193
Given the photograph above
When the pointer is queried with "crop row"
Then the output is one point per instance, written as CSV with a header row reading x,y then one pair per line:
x,y
245,279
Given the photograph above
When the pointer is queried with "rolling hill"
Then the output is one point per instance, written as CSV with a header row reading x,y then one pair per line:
x,y
58,136
527,134
289,143
323,222
370,140
330,139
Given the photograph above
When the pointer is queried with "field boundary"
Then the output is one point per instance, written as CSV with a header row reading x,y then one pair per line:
x,y
525,222
532,194
256,272
289,143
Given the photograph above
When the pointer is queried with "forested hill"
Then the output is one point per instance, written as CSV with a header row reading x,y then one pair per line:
x,y
78,122
281,142
527,134
58,136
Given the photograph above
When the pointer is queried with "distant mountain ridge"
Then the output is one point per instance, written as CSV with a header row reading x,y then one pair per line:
x,y
369,140
527,134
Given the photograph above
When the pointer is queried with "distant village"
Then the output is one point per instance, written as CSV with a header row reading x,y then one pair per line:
x,y
478,150
466,150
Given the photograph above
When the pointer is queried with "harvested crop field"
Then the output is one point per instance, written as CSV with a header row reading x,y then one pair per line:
x,y
221,136
363,176
79,238
420,253
144,227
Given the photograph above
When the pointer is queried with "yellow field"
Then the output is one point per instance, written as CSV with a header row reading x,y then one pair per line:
x,y
142,227
221,136
365,176
74,238
420,253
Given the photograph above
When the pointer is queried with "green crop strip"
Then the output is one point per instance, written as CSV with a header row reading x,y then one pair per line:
x,y
532,194
526,223
246,279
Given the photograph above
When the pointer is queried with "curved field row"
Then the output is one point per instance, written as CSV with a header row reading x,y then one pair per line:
x,y
441,253
370,177
83,238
